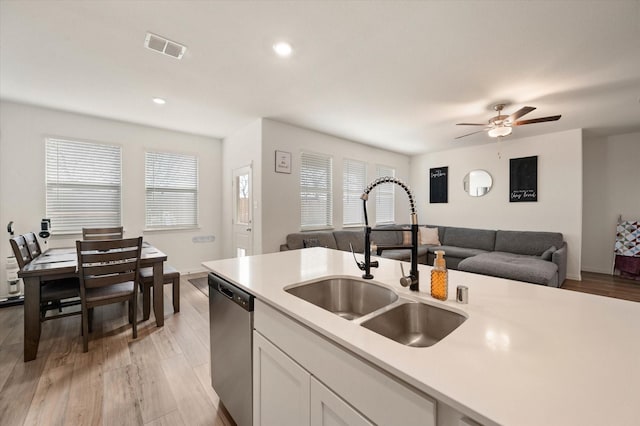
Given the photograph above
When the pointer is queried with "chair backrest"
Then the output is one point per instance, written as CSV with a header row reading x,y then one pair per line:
x,y
32,244
20,250
91,234
108,262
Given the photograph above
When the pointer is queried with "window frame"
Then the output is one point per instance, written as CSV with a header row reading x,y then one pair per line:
x,y
50,187
385,189
352,193
196,211
327,191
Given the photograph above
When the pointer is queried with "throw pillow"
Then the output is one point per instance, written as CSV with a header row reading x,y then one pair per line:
x,y
429,236
406,238
311,242
548,253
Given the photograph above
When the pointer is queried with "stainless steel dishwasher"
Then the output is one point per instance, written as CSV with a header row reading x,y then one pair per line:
x,y
231,331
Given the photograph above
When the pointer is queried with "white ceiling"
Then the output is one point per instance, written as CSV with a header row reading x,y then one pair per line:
x,y
397,75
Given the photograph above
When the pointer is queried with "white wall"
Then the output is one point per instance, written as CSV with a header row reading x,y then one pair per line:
x,y
281,192
243,148
22,178
611,187
559,205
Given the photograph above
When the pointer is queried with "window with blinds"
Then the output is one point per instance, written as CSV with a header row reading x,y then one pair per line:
x,y
354,180
385,196
316,191
82,185
171,186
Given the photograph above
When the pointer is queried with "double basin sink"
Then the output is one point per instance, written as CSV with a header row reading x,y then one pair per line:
x,y
381,310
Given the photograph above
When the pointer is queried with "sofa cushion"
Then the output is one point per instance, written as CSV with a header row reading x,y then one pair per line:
x,y
324,239
353,237
512,266
404,254
387,238
531,243
459,252
483,239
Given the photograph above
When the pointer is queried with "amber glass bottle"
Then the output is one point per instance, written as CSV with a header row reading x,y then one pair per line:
x,y
439,280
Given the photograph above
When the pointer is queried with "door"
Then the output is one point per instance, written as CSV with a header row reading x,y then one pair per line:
x,y
280,387
242,209
328,409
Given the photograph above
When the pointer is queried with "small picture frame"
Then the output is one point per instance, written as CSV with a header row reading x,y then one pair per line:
x,y
283,162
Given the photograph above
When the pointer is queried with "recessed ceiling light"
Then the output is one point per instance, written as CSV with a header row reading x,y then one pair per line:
x,y
159,101
282,49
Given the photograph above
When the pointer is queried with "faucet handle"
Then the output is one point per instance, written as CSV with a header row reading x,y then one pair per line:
x,y
405,280
361,265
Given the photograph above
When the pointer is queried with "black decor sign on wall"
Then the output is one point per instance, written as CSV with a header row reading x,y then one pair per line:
x,y
438,185
523,179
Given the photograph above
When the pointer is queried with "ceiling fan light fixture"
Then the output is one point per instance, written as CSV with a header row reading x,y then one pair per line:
x,y
500,131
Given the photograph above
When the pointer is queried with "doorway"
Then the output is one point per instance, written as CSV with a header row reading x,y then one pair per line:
x,y
242,212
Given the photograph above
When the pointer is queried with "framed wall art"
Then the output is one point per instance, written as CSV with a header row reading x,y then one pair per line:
x,y
439,185
523,179
283,162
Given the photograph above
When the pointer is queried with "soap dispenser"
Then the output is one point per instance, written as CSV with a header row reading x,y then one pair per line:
x,y
439,279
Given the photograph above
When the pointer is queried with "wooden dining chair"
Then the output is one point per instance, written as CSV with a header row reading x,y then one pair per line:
x,y
20,250
54,294
108,271
32,244
92,234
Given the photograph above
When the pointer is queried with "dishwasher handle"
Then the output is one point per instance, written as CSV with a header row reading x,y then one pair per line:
x,y
226,292
231,292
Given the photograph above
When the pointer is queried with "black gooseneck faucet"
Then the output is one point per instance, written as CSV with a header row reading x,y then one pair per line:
x,y
412,280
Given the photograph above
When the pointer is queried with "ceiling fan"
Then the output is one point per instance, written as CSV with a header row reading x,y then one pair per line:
x,y
501,125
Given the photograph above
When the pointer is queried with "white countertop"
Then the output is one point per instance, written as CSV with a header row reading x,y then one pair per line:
x,y
526,355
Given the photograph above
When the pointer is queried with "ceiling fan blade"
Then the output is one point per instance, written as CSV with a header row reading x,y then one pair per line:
x,y
519,113
537,120
469,134
471,124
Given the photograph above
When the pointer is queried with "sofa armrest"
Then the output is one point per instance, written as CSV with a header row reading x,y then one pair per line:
x,y
559,257
284,247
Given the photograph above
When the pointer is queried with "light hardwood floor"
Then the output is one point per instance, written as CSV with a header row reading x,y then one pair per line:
x,y
161,378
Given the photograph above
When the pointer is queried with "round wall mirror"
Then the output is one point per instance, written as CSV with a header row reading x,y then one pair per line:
x,y
477,183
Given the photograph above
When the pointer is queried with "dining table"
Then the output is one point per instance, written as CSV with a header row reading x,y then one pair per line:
x,y
56,263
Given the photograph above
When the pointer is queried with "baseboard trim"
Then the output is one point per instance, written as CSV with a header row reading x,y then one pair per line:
x,y
596,270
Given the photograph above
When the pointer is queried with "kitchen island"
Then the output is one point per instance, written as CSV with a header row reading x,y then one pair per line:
x,y
526,354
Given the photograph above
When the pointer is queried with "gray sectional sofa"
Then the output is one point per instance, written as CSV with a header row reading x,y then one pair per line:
x,y
529,256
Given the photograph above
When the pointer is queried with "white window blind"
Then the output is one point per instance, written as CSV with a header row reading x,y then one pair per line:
x,y
171,184
385,196
82,185
354,180
316,191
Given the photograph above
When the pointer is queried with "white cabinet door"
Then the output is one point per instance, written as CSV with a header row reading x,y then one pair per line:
x,y
280,387
328,409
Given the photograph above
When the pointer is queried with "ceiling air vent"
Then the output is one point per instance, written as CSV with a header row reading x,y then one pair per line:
x,y
164,46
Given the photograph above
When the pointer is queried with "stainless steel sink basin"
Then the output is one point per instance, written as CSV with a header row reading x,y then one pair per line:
x,y
346,297
415,324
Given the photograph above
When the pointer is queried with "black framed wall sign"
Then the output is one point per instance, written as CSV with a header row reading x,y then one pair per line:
x,y
523,179
439,184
